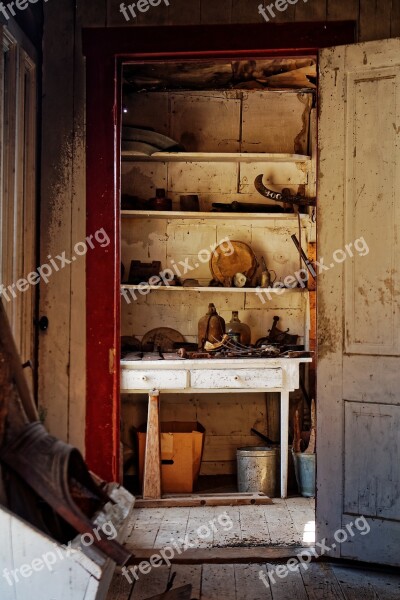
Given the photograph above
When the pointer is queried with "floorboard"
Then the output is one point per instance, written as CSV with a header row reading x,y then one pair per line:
x,y
254,527
286,522
281,527
218,582
198,518
188,574
319,581
358,584
151,584
120,588
288,585
248,583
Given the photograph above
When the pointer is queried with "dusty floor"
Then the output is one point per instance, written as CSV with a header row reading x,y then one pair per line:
x,y
227,531
286,522
321,581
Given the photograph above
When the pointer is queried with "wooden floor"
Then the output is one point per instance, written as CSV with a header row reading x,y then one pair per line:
x,y
285,523
321,581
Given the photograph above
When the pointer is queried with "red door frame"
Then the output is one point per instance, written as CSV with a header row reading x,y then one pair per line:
x,y
105,51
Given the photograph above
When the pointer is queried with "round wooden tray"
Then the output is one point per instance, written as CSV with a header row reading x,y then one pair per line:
x,y
225,262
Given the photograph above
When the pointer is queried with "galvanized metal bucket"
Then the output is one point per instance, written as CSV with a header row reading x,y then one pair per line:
x,y
256,468
304,465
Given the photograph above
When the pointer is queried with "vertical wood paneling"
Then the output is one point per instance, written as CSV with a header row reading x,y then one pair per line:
x,y
395,19
182,12
157,15
56,193
216,12
115,18
377,18
311,10
374,19
246,11
91,14
281,16
343,9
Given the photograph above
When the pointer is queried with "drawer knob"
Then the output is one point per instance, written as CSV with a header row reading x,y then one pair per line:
x,y
144,378
237,378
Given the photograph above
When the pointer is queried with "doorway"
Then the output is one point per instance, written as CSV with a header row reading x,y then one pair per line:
x,y
203,131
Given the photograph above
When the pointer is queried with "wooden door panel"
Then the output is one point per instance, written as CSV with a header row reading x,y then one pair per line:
x,y
381,375
372,179
358,420
372,460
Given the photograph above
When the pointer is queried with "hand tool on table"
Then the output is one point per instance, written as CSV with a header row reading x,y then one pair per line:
x,y
307,261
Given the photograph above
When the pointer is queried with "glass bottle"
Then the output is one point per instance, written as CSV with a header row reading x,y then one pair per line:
x,y
235,326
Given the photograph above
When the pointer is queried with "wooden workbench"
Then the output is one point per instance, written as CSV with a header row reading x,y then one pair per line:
x,y
220,376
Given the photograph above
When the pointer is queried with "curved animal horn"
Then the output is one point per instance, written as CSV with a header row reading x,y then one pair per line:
x,y
264,191
278,197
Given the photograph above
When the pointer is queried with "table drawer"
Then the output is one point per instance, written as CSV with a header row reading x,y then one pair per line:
x,y
236,378
147,380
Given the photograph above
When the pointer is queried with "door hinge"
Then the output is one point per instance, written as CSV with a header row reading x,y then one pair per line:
x,y
111,360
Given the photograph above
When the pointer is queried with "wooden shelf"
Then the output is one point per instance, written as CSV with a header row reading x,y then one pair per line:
x,y
211,290
242,157
175,214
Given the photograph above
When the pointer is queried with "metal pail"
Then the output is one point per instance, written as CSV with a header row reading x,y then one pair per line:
x,y
256,468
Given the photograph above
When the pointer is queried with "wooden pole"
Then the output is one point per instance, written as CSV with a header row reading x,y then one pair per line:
x,y
152,459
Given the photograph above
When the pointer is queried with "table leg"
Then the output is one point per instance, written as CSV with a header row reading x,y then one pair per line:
x,y
284,442
152,458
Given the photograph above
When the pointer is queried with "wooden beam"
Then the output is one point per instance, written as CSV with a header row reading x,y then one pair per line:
x,y
192,500
152,458
223,555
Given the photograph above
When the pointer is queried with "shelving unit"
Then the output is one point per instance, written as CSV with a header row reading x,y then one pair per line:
x,y
203,122
176,214
242,157
211,290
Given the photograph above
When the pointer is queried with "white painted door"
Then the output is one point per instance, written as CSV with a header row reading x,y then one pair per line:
x,y
18,195
358,448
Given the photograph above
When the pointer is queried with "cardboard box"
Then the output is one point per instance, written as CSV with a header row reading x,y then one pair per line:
x,y
181,453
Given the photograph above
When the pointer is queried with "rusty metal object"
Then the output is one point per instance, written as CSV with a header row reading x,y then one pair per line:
x,y
304,257
141,272
280,337
285,196
57,473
